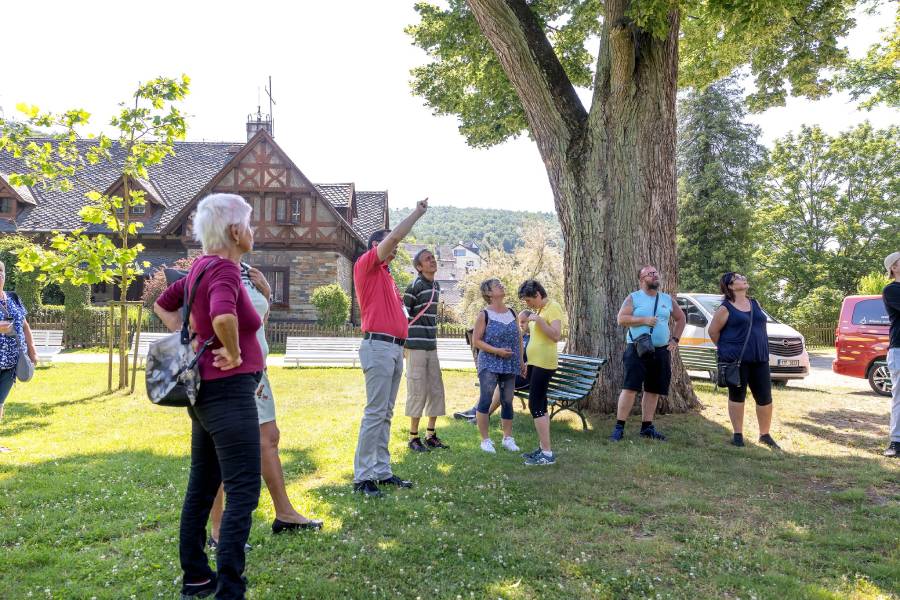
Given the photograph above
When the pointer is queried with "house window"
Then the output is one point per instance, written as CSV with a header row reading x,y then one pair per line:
x,y
459,252
287,210
7,206
133,211
278,281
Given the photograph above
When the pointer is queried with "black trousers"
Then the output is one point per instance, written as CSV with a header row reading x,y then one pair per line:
x,y
224,449
537,391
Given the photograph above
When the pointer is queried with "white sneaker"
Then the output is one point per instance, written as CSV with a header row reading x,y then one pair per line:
x,y
488,446
510,444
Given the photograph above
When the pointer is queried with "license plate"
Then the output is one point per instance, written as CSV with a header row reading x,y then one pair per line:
x,y
782,362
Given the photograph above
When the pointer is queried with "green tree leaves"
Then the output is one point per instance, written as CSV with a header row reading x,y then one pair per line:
x,y
876,76
790,46
718,162
829,210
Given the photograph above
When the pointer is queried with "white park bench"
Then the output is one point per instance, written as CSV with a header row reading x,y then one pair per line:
x,y
321,350
147,338
454,350
47,343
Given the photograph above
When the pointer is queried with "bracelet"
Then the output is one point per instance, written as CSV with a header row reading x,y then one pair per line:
x,y
676,338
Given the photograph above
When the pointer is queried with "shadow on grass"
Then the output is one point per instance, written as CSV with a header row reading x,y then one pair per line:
x,y
20,417
871,443
705,518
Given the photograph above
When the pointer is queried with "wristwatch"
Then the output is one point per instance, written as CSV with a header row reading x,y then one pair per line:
x,y
676,338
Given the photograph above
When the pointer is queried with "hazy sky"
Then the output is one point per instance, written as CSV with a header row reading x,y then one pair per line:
x,y
340,74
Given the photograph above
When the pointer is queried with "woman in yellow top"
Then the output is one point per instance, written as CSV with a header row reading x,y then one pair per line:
x,y
545,326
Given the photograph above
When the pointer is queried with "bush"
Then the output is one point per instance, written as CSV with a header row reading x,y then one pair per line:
x,y
872,284
821,306
332,305
156,285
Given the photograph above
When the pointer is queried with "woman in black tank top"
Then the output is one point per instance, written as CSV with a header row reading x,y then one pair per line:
x,y
738,337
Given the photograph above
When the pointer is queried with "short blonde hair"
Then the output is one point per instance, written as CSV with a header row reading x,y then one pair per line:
x,y
486,286
215,214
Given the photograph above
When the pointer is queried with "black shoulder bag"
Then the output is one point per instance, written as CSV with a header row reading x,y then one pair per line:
x,y
729,372
172,375
643,344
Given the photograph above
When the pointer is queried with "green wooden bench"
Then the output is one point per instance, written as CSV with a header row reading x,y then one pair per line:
x,y
571,383
700,358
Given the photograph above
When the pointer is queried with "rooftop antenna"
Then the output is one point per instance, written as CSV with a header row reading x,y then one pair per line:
x,y
271,104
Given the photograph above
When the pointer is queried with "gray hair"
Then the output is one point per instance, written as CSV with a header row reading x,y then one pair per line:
x,y
214,215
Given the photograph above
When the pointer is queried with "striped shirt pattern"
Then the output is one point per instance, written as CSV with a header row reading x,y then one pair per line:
x,y
422,334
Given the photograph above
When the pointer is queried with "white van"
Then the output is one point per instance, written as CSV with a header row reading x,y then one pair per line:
x,y
788,358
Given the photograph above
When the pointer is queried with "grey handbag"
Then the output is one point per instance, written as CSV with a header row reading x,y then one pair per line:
x,y
24,366
172,375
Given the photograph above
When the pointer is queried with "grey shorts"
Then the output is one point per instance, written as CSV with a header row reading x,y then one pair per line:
x,y
424,384
265,401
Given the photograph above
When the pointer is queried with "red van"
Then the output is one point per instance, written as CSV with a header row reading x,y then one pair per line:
x,y
861,340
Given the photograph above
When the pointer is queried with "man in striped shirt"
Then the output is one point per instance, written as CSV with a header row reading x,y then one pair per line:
x,y
424,384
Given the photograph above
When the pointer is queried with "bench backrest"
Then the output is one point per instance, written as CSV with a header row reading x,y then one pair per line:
x,y
147,338
298,345
52,338
576,374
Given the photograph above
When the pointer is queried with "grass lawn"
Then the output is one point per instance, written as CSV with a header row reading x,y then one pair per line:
x,y
90,498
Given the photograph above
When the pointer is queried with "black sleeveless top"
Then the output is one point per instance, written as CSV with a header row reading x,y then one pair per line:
x,y
731,339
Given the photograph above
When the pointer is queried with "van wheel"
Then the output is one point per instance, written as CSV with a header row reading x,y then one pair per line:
x,y
880,379
779,383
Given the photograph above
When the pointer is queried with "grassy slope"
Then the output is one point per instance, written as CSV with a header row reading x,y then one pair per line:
x,y
89,502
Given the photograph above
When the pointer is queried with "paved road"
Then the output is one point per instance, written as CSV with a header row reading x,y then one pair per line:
x,y
821,377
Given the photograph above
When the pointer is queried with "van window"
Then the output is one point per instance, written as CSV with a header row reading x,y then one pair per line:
x,y
870,312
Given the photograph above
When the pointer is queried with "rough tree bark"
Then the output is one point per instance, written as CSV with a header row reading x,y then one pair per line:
x,y
612,170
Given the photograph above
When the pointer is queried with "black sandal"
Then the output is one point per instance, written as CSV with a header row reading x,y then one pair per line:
x,y
279,526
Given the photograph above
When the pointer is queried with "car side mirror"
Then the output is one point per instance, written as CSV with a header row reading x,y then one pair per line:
x,y
696,319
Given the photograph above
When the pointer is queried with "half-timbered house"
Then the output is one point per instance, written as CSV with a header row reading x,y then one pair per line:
x,y
306,234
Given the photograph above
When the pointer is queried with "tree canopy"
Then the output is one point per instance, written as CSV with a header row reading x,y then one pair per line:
x,y
789,47
719,157
828,211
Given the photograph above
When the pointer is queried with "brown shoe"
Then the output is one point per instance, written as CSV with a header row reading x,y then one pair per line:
x,y
416,445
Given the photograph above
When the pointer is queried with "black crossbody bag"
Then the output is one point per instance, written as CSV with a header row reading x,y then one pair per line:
x,y
729,372
643,344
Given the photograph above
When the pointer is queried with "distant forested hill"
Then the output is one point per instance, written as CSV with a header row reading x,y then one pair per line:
x,y
488,228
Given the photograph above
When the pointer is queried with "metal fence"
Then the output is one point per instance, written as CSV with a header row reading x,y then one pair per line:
x,y
91,329
818,336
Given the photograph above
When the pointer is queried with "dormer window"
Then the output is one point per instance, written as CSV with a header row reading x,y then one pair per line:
x,y
7,206
134,210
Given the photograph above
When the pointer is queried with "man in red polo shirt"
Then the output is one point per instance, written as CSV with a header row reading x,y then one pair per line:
x,y
384,326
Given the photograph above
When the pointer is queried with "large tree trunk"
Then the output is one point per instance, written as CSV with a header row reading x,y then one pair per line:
x,y
612,172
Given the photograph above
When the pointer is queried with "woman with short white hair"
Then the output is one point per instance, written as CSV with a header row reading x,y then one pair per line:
x,y
224,424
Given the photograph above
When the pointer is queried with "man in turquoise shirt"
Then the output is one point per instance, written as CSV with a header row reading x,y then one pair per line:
x,y
647,311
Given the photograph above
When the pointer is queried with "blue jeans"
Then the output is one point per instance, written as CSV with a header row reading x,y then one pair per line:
x,y
224,449
7,379
487,381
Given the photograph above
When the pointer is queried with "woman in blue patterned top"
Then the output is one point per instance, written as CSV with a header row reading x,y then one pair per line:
x,y
14,335
499,341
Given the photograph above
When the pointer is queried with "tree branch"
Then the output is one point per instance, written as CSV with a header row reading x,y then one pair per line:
x,y
554,111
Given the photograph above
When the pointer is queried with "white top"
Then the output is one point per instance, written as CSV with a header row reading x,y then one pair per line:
x,y
506,317
261,304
